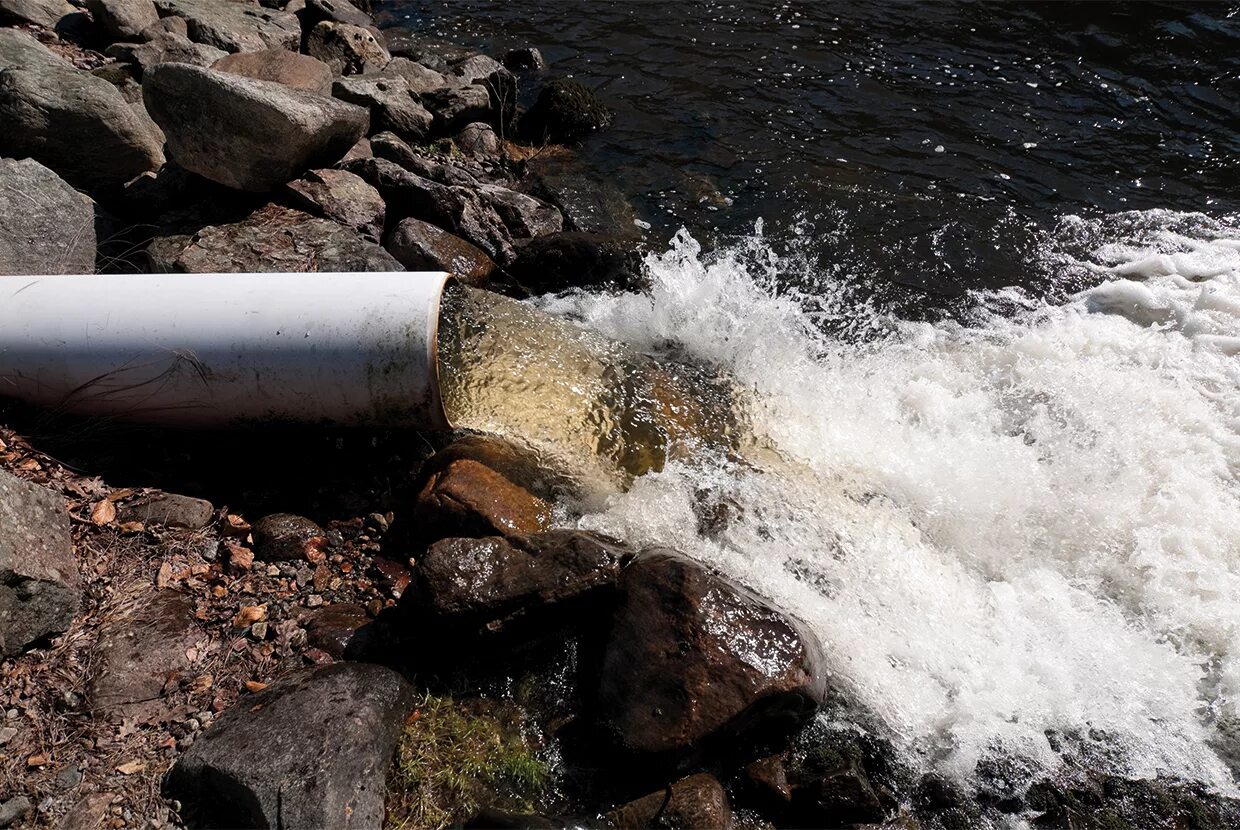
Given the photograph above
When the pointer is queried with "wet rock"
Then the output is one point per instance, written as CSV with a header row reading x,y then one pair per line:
x,y
572,259
234,25
839,796
39,583
491,819
77,124
273,240
333,628
342,197
280,66
514,462
525,216
141,647
45,13
455,208
524,59
693,657
694,802
768,779
589,203
348,50
164,47
420,246
285,536
123,19
478,140
421,79
310,751
48,227
469,499
456,105
566,111
168,509
492,584
392,107
247,134
14,810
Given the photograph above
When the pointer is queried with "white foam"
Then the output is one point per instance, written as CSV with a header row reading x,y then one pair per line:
x,y
1025,524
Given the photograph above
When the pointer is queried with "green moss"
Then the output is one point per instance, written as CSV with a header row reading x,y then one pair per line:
x,y
454,757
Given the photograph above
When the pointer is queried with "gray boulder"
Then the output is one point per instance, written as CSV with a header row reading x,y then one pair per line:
x,y
420,246
48,227
164,47
43,12
421,79
478,141
525,216
247,134
274,239
458,104
40,589
342,197
77,124
392,106
280,66
124,19
348,50
311,751
335,11
235,25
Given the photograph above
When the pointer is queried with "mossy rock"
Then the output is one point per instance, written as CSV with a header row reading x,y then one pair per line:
x,y
566,112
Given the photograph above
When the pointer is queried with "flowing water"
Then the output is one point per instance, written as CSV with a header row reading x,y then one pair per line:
x,y
985,400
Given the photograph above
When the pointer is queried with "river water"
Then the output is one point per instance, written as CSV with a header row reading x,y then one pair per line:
x,y
977,270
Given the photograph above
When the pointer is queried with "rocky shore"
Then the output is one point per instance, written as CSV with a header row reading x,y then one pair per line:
x,y
430,649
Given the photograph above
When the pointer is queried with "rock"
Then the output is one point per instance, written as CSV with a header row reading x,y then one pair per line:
x,y
491,819
360,150
393,148
283,536
333,628
46,13
168,509
14,810
490,584
524,59
839,796
280,66
310,751
69,120
274,240
428,51
173,25
421,79
247,134
768,778
469,499
140,647
48,228
88,813
342,197
348,50
420,246
123,19
164,47
693,657
478,140
566,111
500,84
525,216
515,462
697,801
455,208
392,106
39,583
235,25
336,11
572,259
588,202
456,105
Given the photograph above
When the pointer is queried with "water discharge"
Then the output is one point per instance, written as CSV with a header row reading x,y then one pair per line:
x,y
1016,536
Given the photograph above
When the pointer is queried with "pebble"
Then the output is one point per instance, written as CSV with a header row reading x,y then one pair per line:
x,y
314,601
7,734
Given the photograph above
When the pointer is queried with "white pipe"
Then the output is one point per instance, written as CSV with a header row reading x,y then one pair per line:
x,y
218,349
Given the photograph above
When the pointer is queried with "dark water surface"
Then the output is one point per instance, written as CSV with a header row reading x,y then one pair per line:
x,y
934,142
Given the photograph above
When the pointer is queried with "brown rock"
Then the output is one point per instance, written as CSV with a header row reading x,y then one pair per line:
x,y
694,803
347,49
141,648
694,656
281,66
420,246
283,536
168,509
342,197
768,777
468,499
520,465
331,628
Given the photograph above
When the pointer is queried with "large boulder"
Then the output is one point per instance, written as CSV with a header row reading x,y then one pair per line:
x,y
235,25
310,751
45,13
335,11
163,47
77,124
490,584
698,801
342,197
496,79
123,19
274,239
694,658
347,49
466,498
392,106
420,246
280,66
39,584
421,79
48,227
457,104
566,111
247,134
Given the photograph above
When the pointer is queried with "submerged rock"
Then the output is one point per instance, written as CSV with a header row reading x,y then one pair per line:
x,y
348,50
77,124
420,246
274,239
589,202
468,499
48,227
342,197
693,657
566,111
280,66
698,801
235,25
39,584
310,751
247,134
